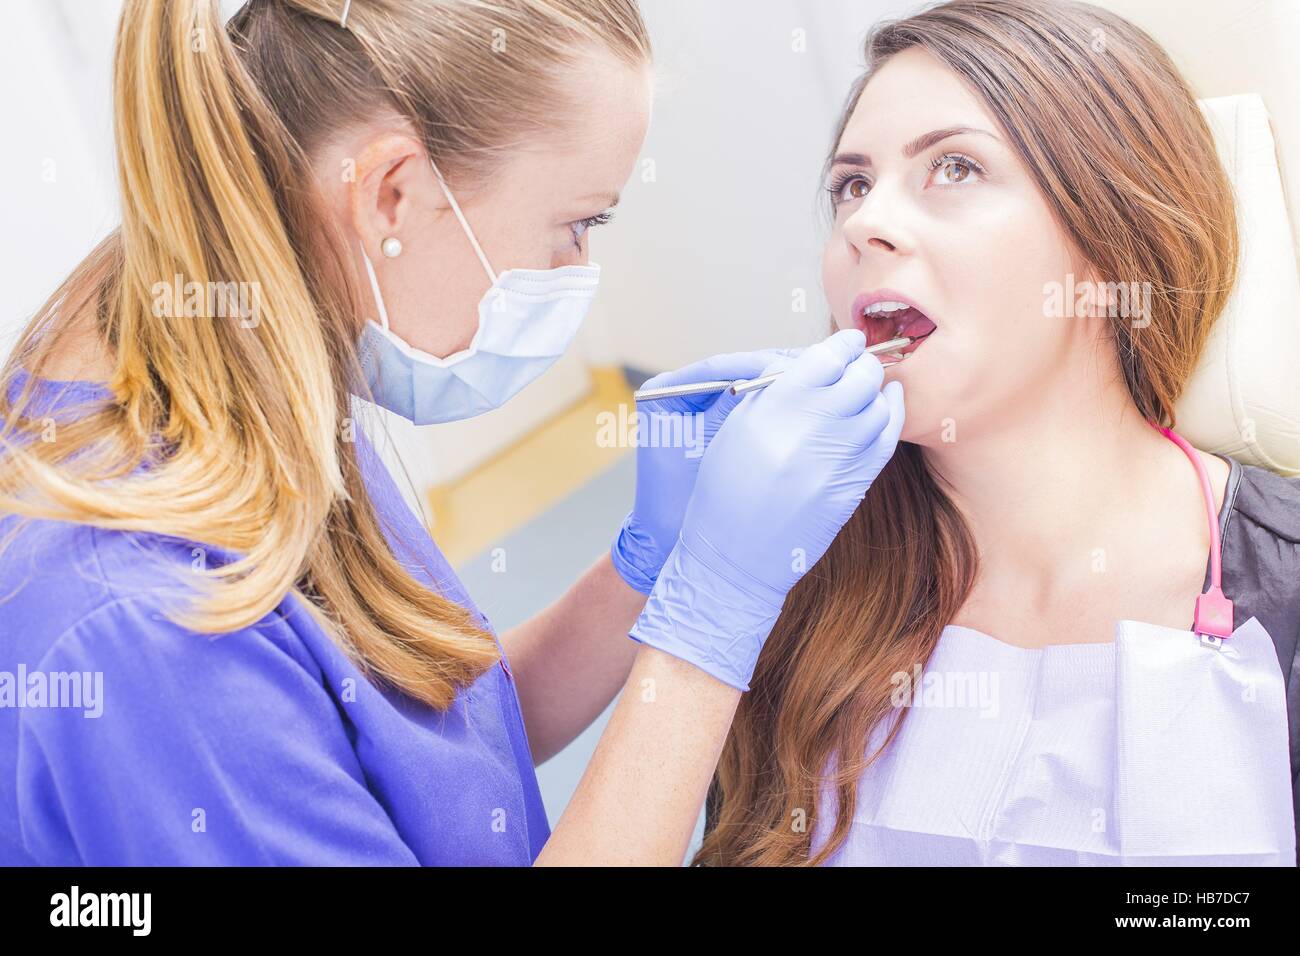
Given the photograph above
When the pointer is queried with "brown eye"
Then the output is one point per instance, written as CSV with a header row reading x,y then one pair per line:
x,y
954,168
848,187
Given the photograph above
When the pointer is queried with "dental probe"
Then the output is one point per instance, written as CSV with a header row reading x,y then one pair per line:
x,y
745,385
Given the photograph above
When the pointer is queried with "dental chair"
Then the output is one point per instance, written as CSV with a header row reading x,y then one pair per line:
x,y
1244,398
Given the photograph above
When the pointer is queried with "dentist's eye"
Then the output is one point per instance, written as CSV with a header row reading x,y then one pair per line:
x,y
848,186
580,227
962,164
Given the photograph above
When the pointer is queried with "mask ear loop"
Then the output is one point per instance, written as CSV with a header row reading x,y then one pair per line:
x,y
455,206
374,287
464,224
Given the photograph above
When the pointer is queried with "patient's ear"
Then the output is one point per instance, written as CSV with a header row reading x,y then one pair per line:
x,y
1092,294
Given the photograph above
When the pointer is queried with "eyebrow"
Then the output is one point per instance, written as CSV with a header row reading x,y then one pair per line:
x,y
612,198
922,142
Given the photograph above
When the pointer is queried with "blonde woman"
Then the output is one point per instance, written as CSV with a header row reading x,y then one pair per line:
x,y
272,661
1020,649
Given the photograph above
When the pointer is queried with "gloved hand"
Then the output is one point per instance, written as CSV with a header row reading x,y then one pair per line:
x,y
784,473
672,435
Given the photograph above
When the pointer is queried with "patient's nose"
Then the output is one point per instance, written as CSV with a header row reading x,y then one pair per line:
x,y
875,224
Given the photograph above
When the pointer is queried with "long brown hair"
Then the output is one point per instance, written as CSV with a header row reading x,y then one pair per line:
x,y
1118,146
246,428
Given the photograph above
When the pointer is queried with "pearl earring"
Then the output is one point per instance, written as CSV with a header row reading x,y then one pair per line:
x,y
391,247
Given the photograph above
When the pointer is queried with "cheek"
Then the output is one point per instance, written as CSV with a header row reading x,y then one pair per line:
x,y
537,248
1033,258
837,277
996,346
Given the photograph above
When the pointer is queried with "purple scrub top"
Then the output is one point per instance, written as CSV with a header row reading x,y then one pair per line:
x,y
127,740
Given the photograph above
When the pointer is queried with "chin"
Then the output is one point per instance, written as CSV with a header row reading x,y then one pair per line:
x,y
924,424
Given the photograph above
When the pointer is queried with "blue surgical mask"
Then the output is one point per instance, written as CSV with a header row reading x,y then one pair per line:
x,y
527,319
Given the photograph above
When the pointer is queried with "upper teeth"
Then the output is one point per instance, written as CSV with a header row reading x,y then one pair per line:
x,y
886,306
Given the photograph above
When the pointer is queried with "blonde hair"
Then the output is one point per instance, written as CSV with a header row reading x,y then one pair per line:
x,y
1122,154
245,430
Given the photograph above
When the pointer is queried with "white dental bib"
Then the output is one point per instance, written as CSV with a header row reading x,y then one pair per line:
x,y
1163,748
1152,750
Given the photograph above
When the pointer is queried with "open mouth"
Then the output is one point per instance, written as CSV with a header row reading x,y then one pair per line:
x,y
890,319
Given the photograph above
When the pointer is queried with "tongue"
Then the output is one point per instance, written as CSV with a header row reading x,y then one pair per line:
x,y
916,325
910,323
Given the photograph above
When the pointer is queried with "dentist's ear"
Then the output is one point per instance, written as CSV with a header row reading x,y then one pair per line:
x,y
389,174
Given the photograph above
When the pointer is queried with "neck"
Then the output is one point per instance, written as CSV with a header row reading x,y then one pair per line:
x,y
1052,480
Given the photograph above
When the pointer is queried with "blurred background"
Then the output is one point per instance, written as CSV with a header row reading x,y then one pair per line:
x,y
714,247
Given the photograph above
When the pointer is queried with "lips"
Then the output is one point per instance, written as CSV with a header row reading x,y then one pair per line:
x,y
881,325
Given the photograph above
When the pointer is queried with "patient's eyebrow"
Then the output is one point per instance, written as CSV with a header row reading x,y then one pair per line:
x,y
927,140
922,142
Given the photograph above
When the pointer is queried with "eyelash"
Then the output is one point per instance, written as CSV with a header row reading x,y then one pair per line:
x,y
600,219
836,188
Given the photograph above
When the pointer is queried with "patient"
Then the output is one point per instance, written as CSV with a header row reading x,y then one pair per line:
x,y
1037,184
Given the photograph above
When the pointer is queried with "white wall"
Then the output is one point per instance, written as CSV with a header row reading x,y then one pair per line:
x,y
57,187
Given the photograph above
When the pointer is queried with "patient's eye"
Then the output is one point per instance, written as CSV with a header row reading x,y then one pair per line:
x,y
848,186
954,168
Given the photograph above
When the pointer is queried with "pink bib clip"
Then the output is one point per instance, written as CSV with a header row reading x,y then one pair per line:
x,y
1214,612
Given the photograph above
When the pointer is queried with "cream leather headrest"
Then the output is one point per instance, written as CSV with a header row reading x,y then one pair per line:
x,y
1244,398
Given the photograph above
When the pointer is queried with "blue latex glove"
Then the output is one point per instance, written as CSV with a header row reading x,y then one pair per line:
x,y
672,435
784,473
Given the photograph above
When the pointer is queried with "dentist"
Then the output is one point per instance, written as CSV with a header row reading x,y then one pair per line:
x,y
292,673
